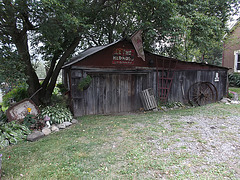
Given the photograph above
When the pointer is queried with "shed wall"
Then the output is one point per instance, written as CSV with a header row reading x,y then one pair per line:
x,y
114,92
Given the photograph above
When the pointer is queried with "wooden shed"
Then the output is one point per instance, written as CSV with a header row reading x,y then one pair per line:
x,y
118,77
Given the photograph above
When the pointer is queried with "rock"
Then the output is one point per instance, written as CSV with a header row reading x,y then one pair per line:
x,y
74,121
235,102
67,124
35,136
54,128
46,131
155,110
61,126
225,100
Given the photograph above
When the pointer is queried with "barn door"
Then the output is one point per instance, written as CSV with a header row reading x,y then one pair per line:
x,y
113,93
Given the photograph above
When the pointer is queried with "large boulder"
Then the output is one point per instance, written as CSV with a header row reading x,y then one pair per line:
x,y
35,136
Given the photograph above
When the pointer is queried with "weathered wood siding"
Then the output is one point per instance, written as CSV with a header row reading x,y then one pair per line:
x,y
184,79
108,93
119,92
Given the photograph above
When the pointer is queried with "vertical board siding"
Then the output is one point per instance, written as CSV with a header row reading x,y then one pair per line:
x,y
109,93
119,92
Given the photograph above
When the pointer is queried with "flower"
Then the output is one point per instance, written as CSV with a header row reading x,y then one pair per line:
x,y
0,155
29,110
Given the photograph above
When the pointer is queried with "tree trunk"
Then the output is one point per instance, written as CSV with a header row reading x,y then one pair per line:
x,y
20,40
47,91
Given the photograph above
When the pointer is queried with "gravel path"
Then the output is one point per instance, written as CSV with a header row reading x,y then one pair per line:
x,y
210,141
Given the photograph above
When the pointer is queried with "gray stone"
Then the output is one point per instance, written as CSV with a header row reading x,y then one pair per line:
x,y
74,121
54,128
235,102
35,136
61,126
67,124
46,131
225,100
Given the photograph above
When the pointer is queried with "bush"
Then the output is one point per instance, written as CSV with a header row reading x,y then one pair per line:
x,y
16,94
3,117
11,133
62,88
234,79
57,114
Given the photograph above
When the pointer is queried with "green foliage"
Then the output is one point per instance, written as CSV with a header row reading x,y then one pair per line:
x,y
11,133
16,94
57,114
234,79
62,88
230,95
11,68
3,117
235,89
84,82
58,96
29,120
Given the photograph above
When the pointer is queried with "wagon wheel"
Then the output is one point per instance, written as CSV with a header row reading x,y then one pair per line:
x,y
215,91
201,93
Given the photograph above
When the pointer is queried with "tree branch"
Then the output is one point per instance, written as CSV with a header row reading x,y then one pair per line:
x,y
60,63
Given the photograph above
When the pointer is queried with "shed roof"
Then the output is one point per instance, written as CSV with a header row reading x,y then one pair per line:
x,y
92,50
88,52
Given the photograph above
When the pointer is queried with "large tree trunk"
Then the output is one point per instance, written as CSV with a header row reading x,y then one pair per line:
x,y
20,40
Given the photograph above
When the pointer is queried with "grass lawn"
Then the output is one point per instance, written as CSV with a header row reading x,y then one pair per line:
x,y
235,89
134,146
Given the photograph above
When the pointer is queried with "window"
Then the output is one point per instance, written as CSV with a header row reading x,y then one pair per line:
x,y
237,61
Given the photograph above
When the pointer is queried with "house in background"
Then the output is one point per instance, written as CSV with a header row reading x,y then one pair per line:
x,y
231,49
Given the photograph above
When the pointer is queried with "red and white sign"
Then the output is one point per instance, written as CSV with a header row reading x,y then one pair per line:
x,y
138,44
123,56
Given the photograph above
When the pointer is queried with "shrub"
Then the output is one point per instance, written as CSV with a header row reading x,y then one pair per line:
x,y
16,94
234,79
11,133
62,88
57,114
59,100
3,116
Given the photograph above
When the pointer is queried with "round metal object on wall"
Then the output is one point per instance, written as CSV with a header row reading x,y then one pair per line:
x,y
202,93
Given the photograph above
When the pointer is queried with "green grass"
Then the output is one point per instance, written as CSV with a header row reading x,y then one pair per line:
x,y
235,89
118,147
